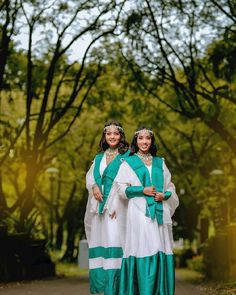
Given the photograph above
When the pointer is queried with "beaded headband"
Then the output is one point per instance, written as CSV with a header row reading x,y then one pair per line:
x,y
144,130
113,125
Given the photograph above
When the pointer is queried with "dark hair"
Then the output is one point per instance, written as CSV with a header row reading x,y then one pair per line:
x,y
123,144
134,146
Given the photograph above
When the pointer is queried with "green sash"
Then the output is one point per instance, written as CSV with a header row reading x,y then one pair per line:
x,y
109,174
96,172
154,209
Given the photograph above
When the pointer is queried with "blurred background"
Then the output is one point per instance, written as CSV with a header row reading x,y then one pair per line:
x,y
66,67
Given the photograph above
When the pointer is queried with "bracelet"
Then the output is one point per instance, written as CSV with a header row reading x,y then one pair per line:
x,y
94,185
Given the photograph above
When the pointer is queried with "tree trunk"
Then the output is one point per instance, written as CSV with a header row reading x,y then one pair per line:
x,y
3,204
59,236
26,198
72,229
4,45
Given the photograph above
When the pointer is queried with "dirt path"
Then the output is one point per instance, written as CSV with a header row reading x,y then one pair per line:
x,y
75,286
184,288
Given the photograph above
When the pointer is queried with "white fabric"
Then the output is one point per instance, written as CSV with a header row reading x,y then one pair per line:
x,y
109,263
101,229
144,237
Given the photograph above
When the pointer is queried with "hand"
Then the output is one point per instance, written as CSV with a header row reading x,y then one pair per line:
x,y
159,197
149,191
113,215
97,194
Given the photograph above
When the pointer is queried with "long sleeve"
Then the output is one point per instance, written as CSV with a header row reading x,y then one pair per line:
x,y
92,205
134,191
169,191
128,185
90,181
121,181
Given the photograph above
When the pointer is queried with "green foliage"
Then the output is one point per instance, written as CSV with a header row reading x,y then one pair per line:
x,y
32,226
70,270
196,263
222,56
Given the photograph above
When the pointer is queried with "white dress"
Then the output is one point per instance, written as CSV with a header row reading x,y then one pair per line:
x,y
147,266
105,237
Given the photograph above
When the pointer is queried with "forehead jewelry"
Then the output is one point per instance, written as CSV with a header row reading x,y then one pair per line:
x,y
109,127
144,130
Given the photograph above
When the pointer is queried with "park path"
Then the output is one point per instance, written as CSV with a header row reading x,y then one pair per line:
x,y
75,286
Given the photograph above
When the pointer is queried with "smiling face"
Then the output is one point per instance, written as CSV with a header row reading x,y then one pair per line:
x,y
112,136
144,141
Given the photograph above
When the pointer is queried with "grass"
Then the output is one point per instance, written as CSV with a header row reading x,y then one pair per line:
x,y
64,269
209,287
70,270
190,276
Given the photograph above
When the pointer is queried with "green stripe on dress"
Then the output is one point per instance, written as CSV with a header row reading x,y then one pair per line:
x,y
109,252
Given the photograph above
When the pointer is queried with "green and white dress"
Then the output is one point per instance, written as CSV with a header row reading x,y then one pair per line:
x,y
148,262
105,235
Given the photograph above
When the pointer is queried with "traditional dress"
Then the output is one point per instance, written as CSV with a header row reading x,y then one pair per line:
x,y
148,262
105,235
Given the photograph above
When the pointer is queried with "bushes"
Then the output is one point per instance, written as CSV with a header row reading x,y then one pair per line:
x,y
182,255
24,258
188,258
196,263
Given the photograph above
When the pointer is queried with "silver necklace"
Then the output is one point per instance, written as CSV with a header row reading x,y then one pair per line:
x,y
146,158
111,153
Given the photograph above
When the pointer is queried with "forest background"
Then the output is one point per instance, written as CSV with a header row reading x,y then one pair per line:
x,y
167,64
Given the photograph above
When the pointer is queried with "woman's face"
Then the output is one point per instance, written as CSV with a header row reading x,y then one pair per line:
x,y
144,141
112,137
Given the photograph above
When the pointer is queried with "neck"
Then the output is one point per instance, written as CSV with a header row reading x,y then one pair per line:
x,y
144,153
113,147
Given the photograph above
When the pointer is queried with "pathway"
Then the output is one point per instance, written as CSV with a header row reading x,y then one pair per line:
x,y
75,286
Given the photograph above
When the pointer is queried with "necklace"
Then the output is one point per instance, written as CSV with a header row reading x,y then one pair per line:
x,y
146,158
111,153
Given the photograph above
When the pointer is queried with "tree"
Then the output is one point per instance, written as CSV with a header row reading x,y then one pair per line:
x,y
167,40
56,89
8,12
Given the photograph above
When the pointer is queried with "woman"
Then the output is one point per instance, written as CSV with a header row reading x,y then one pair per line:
x,y
105,212
148,263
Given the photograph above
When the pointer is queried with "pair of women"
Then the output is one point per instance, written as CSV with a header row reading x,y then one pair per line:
x,y
128,216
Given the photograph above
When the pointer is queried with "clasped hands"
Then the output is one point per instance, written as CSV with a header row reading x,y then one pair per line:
x,y
151,191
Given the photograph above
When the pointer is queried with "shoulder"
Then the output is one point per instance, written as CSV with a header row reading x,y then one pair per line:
x,y
158,159
130,158
125,154
99,156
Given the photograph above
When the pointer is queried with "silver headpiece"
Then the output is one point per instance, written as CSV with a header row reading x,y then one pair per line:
x,y
145,130
115,126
